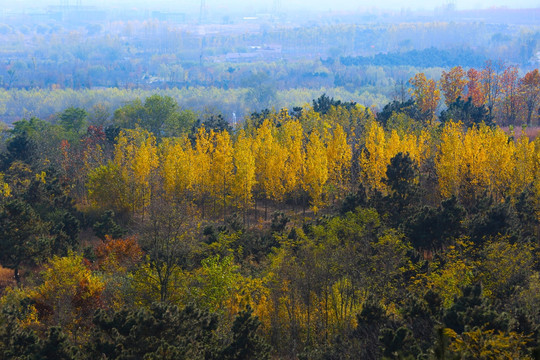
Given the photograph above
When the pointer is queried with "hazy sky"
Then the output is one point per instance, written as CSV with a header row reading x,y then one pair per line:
x,y
261,5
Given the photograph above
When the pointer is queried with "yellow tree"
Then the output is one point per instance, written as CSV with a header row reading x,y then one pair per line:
x,y
136,158
482,344
244,177
5,190
202,160
311,120
373,159
448,162
270,163
339,155
500,163
453,84
177,167
480,159
524,160
221,174
536,171
426,94
292,138
71,292
107,189
316,169
380,148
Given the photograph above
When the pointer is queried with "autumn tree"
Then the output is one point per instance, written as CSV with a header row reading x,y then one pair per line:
x,y
339,155
244,177
529,88
510,99
316,169
453,84
480,159
69,294
426,94
177,168
491,84
381,147
136,159
202,156
475,89
270,163
221,174
292,140
5,190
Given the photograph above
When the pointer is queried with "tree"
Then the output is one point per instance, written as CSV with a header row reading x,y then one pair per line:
x,y
212,122
23,236
136,159
202,156
475,89
167,242
380,148
246,343
177,168
107,189
73,119
69,294
466,112
453,84
159,114
19,148
478,160
270,163
323,104
21,342
292,140
316,170
426,94
409,108
530,92
107,226
479,344
118,255
160,110
221,173
244,177
401,179
373,159
160,332
435,228
491,84
339,155
5,190
510,101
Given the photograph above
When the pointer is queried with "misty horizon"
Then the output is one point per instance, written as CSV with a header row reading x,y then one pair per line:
x,y
255,6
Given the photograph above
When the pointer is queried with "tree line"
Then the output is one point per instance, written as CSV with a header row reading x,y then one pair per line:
x,y
316,232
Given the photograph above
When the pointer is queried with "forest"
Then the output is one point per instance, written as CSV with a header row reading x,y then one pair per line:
x,y
52,61
211,184
327,229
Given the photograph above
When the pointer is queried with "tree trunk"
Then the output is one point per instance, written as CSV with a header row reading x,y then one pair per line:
x,y
17,276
